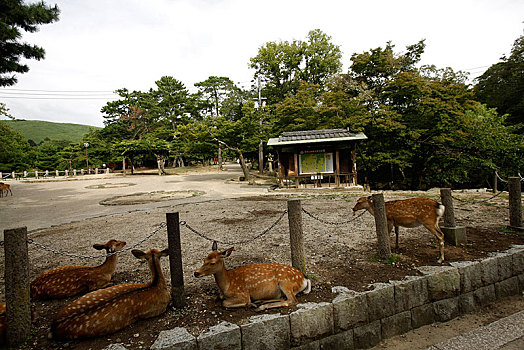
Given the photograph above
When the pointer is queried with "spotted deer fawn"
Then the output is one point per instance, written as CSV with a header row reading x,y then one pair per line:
x,y
108,310
70,280
5,187
409,213
255,282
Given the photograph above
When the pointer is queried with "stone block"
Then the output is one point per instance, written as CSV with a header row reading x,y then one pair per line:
x,y
507,287
349,310
224,336
310,322
444,284
485,295
505,266
518,261
342,340
454,235
467,303
314,345
367,336
521,283
422,315
446,309
272,328
176,338
470,275
489,271
381,301
410,293
396,324
116,346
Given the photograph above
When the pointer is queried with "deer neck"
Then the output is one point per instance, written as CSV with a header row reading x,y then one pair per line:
x,y
157,277
109,264
222,279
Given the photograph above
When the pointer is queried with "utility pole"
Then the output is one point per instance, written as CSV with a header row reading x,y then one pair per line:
x,y
260,144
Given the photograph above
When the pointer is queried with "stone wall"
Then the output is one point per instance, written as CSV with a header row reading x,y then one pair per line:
x,y
361,320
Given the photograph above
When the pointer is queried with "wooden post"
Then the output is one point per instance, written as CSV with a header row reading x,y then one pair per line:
x,y
17,286
449,213
384,250
354,164
295,161
296,236
515,203
124,166
495,179
175,260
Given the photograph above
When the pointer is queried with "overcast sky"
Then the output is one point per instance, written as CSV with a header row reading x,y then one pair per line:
x,y
99,46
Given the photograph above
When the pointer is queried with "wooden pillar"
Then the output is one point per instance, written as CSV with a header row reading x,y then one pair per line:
x,y
281,169
175,260
295,160
298,257
449,213
515,203
337,171
379,206
495,179
452,233
18,313
354,164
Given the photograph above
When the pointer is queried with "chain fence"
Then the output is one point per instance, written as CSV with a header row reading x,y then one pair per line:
x,y
72,255
481,201
185,224
332,222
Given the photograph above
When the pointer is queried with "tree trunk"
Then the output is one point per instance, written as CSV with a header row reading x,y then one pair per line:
x,y
124,165
219,156
160,160
245,170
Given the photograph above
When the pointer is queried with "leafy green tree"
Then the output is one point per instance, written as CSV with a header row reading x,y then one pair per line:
x,y
502,85
14,17
284,64
214,91
48,155
14,150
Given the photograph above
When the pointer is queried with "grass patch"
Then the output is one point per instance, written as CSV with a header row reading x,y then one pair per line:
x,y
393,259
311,276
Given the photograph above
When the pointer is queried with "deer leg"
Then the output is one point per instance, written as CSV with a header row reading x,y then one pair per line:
x,y
396,238
440,236
290,296
238,301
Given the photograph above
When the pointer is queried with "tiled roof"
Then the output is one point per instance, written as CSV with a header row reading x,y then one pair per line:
x,y
314,136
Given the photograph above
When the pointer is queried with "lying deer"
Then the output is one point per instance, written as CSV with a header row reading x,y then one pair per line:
x,y
255,282
410,213
5,187
70,280
106,311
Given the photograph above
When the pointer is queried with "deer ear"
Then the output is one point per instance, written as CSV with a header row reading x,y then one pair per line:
x,y
99,246
138,253
165,252
214,246
227,253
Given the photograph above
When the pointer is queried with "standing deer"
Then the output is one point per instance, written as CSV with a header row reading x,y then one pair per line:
x,y
70,280
410,213
255,282
106,311
5,187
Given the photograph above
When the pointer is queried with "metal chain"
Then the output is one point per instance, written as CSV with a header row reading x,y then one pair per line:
x,y
56,251
331,222
183,223
482,201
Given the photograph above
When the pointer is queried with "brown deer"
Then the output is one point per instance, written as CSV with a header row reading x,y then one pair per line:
x,y
108,310
70,280
410,213
255,282
5,187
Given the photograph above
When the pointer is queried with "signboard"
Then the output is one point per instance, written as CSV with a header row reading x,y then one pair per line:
x,y
313,163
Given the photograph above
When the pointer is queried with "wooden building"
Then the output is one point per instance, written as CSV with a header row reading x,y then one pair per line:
x,y
317,156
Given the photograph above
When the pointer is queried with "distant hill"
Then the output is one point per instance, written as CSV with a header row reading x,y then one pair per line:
x,y
38,130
